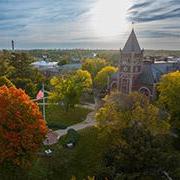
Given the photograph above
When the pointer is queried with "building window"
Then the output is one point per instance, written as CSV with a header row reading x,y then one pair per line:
x,y
145,91
125,86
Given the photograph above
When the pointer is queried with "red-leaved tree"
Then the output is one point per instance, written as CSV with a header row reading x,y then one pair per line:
x,y
22,128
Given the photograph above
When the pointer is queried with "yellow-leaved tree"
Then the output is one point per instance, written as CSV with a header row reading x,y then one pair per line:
x,y
93,66
169,96
103,75
138,136
68,89
122,111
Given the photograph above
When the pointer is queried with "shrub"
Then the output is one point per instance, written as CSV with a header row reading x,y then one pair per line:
x,y
56,126
71,137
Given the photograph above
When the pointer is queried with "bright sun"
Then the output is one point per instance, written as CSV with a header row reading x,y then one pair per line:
x,y
109,17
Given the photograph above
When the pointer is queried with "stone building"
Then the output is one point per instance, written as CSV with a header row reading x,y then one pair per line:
x,y
136,74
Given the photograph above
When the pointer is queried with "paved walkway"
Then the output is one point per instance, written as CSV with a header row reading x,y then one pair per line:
x,y
53,136
87,106
89,122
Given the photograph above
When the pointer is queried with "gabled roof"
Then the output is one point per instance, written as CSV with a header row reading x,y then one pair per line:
x,y
132,44
152,73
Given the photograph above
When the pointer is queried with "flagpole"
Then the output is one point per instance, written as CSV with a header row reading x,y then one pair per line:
x,y
44,106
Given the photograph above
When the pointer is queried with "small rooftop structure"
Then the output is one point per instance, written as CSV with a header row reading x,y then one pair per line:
x,y
51,138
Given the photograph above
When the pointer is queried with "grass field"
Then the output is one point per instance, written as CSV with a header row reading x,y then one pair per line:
x,y
57,118
81,161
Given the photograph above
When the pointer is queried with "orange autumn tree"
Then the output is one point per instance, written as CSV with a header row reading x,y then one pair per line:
x,y
22,128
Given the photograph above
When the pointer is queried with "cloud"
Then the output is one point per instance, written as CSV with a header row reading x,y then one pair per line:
x,y
154,11
157,22
34,18
140,5
159,34
54,23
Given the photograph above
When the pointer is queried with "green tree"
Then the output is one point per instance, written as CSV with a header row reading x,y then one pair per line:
x,y
24,76
22,64
68,89
6,69
137,154
5,81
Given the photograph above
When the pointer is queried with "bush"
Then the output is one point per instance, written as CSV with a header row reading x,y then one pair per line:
x,y
71,137
56,126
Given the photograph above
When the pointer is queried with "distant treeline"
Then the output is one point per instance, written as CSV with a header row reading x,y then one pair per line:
x,y
163,53
66,56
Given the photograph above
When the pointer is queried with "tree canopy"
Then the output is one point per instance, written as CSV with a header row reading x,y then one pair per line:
x,y
138,154
169,96
22,128
102,76
18,69
93,66
6,69
121,111
140,145
5,81
68,89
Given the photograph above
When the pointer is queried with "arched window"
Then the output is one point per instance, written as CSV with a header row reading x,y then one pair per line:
x,y
145,91
113,85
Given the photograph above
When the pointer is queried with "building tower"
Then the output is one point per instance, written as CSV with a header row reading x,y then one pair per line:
x,y
130,64
12,43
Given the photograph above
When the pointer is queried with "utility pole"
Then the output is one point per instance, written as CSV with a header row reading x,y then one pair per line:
x,y
44,106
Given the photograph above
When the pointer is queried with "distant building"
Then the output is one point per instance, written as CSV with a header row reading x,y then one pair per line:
x,y
48,68
90,55
137,74
45,64
75,60
67,68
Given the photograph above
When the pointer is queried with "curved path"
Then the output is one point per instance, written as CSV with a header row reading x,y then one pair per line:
x,y
53,136
89,122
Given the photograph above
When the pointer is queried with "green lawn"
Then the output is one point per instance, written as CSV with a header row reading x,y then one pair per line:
x,y
57,118
81,161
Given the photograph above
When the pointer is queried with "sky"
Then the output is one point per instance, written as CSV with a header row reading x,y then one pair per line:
x,y
102,24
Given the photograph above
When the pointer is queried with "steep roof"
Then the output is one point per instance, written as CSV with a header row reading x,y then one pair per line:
x,y
146,77
152,73
132,44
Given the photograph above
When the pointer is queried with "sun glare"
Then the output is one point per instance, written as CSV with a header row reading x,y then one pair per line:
x,y
109,17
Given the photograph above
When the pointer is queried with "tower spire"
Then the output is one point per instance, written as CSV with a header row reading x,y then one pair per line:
x,y
132,44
